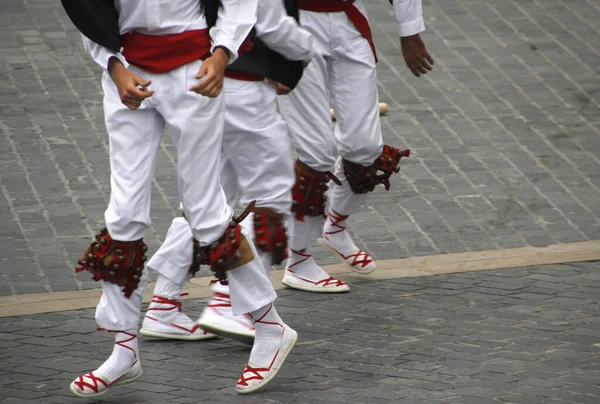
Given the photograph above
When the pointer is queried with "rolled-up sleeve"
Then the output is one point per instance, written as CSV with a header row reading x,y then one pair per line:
x,y
235,21
282,33
409,14
100,54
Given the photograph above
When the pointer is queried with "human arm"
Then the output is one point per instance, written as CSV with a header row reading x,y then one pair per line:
x,y
409,15
282,33
131,87
100,54
234,22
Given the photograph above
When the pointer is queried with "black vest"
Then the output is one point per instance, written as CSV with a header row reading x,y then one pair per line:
x,y
264,62
98,20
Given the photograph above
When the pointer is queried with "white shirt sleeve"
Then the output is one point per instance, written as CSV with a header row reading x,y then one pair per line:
x,y
282,33
409,14
235,21
100,54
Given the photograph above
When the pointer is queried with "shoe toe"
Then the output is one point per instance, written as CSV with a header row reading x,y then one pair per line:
x,y
89,385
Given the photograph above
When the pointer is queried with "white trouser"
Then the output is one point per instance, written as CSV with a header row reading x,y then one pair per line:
x,y
229,182
256,146
249,285
195,124
341,73
256,155
117,313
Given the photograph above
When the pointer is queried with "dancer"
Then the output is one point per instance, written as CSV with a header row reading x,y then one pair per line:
x,y
169,73
343,71
256,155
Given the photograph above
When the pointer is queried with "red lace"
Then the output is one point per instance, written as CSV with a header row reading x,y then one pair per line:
x,y
255,372
81,383
267,322
323,282
301,253
175,305
222,300
335,218
330,281
163,300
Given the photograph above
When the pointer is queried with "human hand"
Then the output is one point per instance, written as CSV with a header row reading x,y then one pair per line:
x,y
212,74
279,88
416,56
132,88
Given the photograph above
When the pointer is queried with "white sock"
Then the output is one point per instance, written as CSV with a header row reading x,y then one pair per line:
x,y
219,287
336,233
302,264
300,260
167,288
124,355
269,331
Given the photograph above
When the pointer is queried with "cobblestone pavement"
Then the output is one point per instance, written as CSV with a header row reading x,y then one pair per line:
x,y
505,134
528,335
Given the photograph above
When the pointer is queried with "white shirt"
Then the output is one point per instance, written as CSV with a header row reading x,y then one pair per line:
x,y
161,17
409,14
282,33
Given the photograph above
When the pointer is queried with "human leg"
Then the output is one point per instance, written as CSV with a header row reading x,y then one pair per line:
x,y
256,143
360,142
196,127
116,258
306,110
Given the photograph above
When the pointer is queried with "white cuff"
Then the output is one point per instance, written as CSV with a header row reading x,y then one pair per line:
x,y
226,43
410,28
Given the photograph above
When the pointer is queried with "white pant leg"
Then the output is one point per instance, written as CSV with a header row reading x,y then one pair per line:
x,y
306,109
195,123
250,288
256,143
115,312
229,181
134,138
353,86
174,257
249,285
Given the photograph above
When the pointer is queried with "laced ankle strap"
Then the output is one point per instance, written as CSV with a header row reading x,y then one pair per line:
x,y
220,300
122,343
175,304
301,253
335,218
260,320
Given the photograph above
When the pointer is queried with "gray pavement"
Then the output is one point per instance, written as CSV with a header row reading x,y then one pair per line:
x,y
505,135
527,335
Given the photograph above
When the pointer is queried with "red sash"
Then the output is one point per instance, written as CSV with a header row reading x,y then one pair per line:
x,y
234,74
331,6
163,53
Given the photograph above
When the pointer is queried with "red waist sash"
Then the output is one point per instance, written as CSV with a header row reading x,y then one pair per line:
x,y
163,53
234,74
331,6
